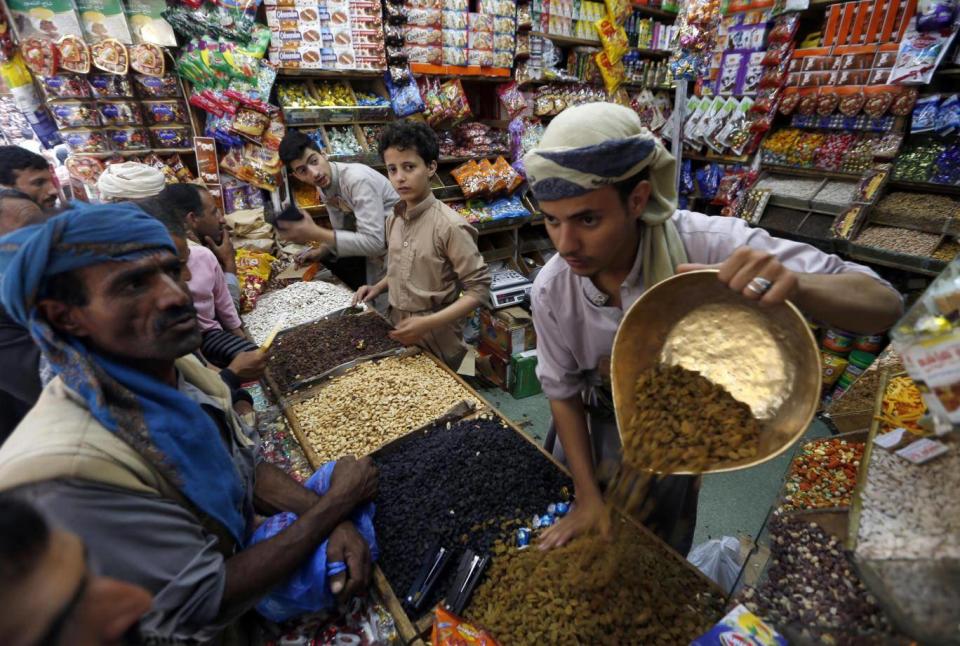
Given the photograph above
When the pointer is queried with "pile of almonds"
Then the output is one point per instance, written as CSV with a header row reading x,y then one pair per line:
x,y
374,403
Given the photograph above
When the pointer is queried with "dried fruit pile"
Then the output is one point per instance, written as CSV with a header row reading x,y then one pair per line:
x,y
813,587
315,348
462,485
823,475
590,591
685,422
363,409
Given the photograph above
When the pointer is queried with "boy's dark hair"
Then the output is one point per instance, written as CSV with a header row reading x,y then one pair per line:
x,y
181,199
165,213
15,158
411,135
24,536
293,144
625,187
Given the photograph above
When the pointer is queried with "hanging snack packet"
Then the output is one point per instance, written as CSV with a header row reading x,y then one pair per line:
x,y
510,177
619,10
612,73
614,39
467,176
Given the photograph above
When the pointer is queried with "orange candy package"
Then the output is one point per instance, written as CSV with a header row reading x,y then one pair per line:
x,y
451,630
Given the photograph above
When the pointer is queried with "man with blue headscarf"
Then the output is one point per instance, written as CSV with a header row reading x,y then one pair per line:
x,y
134,446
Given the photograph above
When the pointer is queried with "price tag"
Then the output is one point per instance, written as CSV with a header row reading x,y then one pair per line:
x,y
922,451
891,439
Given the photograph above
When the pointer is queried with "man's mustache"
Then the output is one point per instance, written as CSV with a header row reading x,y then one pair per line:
x,y
172,316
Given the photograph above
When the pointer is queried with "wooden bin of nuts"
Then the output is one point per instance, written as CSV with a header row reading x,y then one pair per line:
x,y
305,354
636,550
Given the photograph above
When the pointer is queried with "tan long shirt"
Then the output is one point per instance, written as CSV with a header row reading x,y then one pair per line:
x,y
432,256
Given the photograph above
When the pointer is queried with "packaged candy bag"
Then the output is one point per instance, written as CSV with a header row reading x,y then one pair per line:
x,y
614,39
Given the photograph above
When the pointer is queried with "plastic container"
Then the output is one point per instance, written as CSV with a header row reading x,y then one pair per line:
x,y
82,140
132,138
171,137
120,113
157,113
838,341
109,86
872,344
75,114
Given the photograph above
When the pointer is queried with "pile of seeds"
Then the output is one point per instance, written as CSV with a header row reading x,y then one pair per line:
x,y
299,303
315,348
860,397
459,485
823,475
837,193
812,587
685,422
363,409
591,591
910,511
916,209
905,241
947,250
801,189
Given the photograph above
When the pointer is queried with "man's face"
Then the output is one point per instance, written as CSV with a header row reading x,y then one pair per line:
x,y
38,185
312,168
592,232
16,213
408,173
62,602
139,310
209,223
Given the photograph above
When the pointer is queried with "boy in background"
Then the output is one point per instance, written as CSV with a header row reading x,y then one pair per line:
x,y
435,273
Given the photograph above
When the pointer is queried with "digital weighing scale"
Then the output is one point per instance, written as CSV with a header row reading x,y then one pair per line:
x,y
508,288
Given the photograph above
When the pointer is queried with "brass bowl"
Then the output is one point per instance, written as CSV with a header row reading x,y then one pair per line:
x,y
765,357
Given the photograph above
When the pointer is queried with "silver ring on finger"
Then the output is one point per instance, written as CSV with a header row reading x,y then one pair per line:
x,y
759,285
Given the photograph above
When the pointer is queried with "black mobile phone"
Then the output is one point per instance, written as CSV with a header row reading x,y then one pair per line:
x,y
289,214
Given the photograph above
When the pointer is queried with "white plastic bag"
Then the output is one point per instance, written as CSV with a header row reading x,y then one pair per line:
x,y
719,559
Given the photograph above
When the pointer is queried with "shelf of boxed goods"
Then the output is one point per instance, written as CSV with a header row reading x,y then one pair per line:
x,y
474,73
584,42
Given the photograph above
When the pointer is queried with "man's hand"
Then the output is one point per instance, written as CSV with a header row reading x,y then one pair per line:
x,y
225,253
311,256
586,514
758,275
364,294
355,480
249,365
303,231
345,545
412,330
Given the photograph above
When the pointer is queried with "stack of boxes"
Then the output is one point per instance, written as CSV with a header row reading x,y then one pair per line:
x,y
480,40
571,18
507,337
326,34
424,33
455,39
504,13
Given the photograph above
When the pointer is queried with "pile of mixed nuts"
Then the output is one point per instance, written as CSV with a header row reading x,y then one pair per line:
x,y
363,409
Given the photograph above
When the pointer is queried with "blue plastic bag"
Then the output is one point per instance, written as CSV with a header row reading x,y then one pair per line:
x,y
307,590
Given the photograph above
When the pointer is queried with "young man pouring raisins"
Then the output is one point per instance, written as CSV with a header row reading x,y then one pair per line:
x,y
606,187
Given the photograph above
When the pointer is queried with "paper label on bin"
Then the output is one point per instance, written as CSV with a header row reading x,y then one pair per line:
x,y
891,439
922,451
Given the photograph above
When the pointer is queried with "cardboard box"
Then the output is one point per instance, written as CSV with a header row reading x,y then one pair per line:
x,y
522,377
507,332
499,372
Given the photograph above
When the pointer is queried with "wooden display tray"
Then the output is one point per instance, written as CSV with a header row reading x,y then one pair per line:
x,y
853,436
405,627
408,629
312,380
424,623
